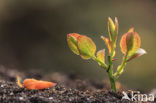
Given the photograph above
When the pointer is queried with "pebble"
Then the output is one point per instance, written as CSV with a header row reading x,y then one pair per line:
x,y
21,98
50,98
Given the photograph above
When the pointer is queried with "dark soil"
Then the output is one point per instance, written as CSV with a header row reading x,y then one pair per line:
x,y
68,90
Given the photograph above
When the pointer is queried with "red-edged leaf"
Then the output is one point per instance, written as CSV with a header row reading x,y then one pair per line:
x,y
101,55
86,47
109,45
130,43
72,42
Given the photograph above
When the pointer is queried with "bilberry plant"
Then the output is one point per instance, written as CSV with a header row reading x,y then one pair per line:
x,y
130,47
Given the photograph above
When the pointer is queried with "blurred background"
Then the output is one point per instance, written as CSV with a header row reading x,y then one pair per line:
x,y
33,36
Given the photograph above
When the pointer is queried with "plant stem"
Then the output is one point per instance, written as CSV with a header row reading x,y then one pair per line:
x,y
120,69
111,74
102,64
113,83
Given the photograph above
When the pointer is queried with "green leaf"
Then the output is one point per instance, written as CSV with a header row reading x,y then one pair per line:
x,y
116,29
72,42
109,45
113,29
130,43
86,47
101,55
138,53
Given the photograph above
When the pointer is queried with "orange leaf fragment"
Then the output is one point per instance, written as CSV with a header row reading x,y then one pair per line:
x,y
35,84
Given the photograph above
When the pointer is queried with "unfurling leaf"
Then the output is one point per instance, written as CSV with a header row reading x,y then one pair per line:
x,y
101,55
138,53
131,29
113,29
72,42
116,30
109,45
86,47
130,43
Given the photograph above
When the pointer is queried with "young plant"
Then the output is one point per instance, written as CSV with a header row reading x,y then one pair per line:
x,y
129,44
